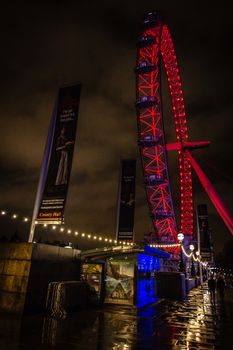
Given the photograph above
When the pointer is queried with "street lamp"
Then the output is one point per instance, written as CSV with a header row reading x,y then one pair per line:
x,y
199,266
191,247
193,271
180,238
198,263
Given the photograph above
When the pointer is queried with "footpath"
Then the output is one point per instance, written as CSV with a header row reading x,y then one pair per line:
x,y
195,323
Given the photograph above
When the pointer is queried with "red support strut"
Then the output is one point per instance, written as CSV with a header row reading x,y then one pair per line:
x,y
213,195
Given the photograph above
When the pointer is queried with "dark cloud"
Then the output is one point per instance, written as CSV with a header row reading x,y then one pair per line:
x,y
57,42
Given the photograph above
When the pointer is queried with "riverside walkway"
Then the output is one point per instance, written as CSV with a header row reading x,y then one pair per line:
x,y
194,323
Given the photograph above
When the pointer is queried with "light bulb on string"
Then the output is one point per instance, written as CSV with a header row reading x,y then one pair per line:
x,y
62,229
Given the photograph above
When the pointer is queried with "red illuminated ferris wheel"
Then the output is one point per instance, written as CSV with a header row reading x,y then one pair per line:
x,y
155,46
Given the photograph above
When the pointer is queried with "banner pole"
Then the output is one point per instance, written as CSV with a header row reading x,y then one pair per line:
x,y
118,202
57,161
199,249
32,231
46,158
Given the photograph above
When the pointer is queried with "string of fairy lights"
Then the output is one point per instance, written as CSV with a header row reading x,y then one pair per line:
x,y
64,229
188,255
99,237
192,255
170,245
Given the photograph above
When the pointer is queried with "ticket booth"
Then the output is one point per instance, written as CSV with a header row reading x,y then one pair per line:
x,y
131,278
123,277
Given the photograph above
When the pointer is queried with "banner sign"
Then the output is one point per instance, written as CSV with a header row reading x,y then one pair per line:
x,y
202,213
126,200
57,166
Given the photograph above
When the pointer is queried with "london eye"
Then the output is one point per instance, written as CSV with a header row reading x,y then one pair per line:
x,y
155,46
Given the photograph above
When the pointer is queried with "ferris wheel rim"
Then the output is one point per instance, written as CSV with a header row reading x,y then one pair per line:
x,y
157,38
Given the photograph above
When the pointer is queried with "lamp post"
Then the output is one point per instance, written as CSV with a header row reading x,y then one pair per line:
x,y
180,237
199,250
193,271
198,263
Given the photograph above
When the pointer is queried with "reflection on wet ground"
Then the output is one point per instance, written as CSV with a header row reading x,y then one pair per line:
x,y
195,323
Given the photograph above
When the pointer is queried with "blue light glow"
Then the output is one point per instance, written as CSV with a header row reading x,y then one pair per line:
x,y
147,263
146,287
146,291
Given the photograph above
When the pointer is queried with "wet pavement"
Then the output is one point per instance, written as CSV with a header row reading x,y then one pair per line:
x,y
194,323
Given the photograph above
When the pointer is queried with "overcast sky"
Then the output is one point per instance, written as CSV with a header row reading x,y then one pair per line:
x,y
48,44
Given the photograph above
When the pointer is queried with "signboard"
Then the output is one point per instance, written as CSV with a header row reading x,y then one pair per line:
x,y
120,282
126,200
58,156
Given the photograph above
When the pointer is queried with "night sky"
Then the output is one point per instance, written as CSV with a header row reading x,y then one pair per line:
x,y
48,44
